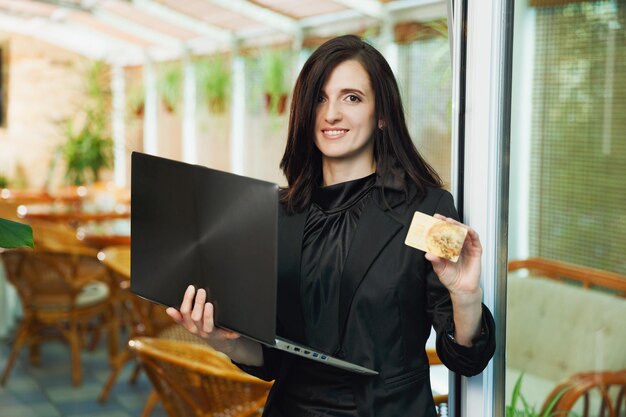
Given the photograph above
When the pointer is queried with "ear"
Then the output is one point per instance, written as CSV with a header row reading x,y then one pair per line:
x,y
382,124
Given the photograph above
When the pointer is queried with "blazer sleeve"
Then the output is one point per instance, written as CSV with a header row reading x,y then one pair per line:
x,y
467,361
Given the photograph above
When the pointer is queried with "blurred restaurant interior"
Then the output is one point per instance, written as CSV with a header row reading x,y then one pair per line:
x,y
83,83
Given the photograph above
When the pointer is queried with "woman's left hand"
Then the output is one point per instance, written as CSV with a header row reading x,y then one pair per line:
x,y
461,278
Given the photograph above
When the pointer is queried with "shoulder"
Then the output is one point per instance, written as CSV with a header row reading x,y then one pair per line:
x,y
435,200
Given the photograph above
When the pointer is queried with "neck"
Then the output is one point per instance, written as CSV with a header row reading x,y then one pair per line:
x,y
335,172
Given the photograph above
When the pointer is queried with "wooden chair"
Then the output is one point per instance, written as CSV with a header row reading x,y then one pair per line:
x,y
576,274
142,318
604,390
63,293
195,380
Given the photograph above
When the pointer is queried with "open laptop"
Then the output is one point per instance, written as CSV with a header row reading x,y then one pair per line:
x,y
215,230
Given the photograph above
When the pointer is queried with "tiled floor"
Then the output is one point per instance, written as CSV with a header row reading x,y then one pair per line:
x,y
47,391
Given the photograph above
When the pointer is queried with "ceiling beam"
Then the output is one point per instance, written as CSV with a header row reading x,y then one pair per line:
x,y
371,8
177,18
90,44
261,14
126,25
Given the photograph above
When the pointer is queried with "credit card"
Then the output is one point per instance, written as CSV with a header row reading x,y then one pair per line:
x,y
438,237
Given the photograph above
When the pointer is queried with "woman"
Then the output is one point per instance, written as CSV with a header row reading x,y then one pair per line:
x,y
347,283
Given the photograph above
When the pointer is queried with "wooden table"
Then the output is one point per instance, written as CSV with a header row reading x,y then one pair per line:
x,y
70,213
117,258
100,235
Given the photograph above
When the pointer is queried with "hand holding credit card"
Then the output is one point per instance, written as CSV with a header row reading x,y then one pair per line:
x,y
436,236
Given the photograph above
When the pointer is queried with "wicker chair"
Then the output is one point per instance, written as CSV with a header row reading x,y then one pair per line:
x,y
63,294
142,317
195,380
603,391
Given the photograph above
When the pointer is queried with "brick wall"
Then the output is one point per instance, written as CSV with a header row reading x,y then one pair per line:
x,y
44,89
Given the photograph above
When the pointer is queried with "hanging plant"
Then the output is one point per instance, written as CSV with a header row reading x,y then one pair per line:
x,y
169,86
275,70
214,82
136,100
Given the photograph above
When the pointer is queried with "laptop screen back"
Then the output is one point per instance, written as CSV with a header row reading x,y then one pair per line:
x,y
212,229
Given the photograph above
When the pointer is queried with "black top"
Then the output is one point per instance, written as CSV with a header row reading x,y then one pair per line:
x,y
315,388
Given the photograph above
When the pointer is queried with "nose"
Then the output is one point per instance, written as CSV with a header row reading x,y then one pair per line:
x,y
332,112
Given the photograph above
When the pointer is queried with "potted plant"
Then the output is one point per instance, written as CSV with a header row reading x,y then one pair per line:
x,y
86,152
89,147
169,86
275,70
214,83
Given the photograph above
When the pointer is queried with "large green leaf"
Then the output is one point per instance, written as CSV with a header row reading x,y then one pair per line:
x,y
14,235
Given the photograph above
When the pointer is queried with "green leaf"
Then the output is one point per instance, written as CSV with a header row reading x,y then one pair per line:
x,y
516,392
15,235
548,412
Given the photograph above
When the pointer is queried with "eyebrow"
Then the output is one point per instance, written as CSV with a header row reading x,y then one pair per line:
x,y
348,90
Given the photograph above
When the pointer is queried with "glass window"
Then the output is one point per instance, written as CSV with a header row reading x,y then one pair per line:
x,y
567,280
426,85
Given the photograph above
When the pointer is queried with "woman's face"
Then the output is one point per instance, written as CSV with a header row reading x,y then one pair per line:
x,y
345,120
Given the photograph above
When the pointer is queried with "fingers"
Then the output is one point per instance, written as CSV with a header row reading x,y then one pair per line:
x,y
186,308
196,315
174,314
207,318
439,264
449,220
198,308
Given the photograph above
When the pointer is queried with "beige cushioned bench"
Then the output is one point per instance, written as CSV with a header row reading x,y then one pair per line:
x,y
556,329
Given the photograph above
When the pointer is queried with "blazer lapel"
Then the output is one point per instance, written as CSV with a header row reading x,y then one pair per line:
x,y
375,229
289,309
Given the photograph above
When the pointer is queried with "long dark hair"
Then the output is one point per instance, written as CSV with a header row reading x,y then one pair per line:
x,y
393,147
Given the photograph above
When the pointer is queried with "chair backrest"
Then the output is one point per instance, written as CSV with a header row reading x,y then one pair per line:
x,y
49,280
599,394
195,380
147,318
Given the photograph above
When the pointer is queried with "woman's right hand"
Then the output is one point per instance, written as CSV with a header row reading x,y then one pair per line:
x,y
196,315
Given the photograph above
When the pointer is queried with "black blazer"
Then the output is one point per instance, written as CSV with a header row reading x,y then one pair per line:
x,y
389,298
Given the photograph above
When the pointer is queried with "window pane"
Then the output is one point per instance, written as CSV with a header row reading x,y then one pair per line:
x,y
425,83
567,285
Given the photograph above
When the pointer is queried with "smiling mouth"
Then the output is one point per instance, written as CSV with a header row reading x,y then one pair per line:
x,y
334,133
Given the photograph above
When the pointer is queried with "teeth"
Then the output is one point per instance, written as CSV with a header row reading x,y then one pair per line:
x,y
334,132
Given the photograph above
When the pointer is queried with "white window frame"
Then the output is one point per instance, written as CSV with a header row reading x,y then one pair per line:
x,y
482,46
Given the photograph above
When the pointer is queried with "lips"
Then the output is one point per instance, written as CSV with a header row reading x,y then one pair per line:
x,y
334,133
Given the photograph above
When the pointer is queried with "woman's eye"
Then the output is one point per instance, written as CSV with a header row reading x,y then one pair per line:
x,y
353,99
320,99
